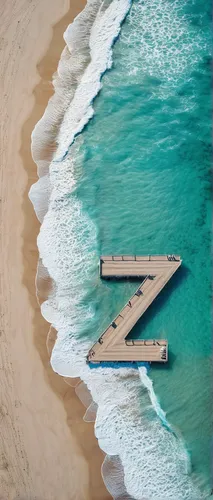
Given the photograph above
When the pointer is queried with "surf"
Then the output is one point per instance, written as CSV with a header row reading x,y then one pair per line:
x,y
148,457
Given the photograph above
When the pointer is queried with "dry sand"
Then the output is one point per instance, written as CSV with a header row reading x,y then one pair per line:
x,y
47,452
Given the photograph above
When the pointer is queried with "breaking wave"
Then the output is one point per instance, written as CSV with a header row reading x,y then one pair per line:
x,y
145,460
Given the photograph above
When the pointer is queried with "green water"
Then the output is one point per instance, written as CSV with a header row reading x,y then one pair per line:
x,y
145,182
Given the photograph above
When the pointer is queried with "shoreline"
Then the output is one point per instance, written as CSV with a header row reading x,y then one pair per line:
x,y
56,446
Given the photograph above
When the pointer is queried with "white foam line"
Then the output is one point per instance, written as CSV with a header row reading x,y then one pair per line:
x,y
73,62
147,382
68,249
104,31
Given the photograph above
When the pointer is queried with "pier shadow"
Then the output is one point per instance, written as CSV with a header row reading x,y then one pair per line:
x,y
83,432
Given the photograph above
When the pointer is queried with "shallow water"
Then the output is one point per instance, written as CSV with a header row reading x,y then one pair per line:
x,y
137,180
146,184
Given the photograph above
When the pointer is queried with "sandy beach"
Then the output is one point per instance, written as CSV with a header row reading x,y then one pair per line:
x,y
47,452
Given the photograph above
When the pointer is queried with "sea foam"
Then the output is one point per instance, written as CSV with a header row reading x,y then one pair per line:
x,y
145,460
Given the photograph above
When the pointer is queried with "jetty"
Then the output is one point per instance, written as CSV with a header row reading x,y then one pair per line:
x,y
155,272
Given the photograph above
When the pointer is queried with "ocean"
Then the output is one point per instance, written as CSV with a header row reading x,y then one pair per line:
x,y
131,174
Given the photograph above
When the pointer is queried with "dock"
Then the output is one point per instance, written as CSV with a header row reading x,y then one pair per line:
x,y
155,272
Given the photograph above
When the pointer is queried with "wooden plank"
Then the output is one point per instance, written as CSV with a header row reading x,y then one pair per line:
x,y
139,257
137,268
128,257
112,346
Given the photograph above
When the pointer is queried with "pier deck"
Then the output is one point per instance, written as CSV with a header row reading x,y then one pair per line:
x,y
156,271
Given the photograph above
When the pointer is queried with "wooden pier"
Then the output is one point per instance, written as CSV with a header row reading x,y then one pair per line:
x,y
156,271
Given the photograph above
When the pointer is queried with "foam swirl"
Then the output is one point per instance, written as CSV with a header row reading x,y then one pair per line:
x,y
146,456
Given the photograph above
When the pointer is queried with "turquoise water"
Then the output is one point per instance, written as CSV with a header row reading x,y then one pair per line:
x,y
133,179
144,180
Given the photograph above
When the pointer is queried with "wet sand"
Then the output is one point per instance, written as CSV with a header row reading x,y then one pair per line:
x,y
47,452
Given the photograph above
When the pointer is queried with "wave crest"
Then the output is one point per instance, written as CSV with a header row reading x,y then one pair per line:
x,y
143,454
